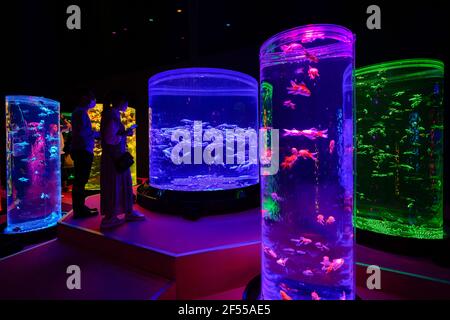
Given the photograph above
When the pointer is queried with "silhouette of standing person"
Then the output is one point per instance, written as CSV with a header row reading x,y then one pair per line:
x,y
82,152
116,195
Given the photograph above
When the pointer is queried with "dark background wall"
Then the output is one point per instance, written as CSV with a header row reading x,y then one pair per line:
x,y
122,43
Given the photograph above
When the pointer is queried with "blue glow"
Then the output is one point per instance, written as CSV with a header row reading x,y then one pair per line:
x,y
198,101
33,163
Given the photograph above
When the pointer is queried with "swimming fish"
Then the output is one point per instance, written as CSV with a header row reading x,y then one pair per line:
x,y
311,57
302,240
325,262
315,296
321,219
289,104
335,264
305,154
276,197
22,144
331,146
311,134
23,179
291,47
289,161
270,252
330,220
284,295
298,89
313,73
308,273
282,261
321,246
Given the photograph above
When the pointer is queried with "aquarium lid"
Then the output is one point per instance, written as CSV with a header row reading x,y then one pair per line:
x,y
402,70
204,81
320,40
31,100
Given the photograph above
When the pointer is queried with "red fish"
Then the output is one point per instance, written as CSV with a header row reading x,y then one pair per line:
x,y
289,161
331,146
313,73
315,296
270,252
289,104
311,134
298,89
291,47
284,295
311,57
305,154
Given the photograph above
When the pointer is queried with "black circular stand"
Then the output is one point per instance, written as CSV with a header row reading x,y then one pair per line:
x,y
194,204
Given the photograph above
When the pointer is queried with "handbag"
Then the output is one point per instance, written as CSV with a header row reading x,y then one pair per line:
x,y
124,161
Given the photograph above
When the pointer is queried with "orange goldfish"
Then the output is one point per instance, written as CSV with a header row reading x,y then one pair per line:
x,y
291,47
313,73
289,161
321,219
270,252
298,89
335,264
315,296
305,154
331,146
284,295
330,220
311,57
282,261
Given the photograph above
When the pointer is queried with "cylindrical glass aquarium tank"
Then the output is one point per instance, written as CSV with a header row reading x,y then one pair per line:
x,y
400,148
128,119
307,206
203,126
33,163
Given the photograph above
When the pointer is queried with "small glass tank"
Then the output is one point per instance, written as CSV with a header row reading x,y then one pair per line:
x,y
400,148
128,119
197,117
33,160
307,204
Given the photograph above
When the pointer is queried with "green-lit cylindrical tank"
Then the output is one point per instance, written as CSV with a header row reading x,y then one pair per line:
x,y
400,148
128,119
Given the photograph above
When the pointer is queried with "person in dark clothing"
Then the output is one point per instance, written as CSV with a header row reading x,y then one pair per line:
x,y
82,152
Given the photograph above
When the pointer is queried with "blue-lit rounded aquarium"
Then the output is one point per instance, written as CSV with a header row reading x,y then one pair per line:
x,y
307,196
203,126
33,161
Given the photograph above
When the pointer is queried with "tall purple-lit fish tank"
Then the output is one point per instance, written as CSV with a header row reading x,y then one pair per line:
x,y
33,176
307,204
203,126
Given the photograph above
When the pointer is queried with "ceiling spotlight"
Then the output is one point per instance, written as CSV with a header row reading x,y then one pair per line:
x,y
179,11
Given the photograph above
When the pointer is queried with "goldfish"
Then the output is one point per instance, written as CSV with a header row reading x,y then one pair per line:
x,y
335,264
289,104
298,89
315,296
313,73
311,57
282,261
321,246
325,262
289,161
305,154
289,250
276,197
321,219
308,273
302,240
270,252
311,134
331,146
284,295
300,252
330,220
291,47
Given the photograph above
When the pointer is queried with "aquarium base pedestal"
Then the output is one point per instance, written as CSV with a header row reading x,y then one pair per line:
x,y
201,258
195,204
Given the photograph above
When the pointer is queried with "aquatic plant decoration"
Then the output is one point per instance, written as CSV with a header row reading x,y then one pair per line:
x,y
33,160
307,206
400,148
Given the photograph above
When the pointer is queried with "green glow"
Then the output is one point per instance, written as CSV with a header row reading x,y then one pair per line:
x,y
271,209
400,148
